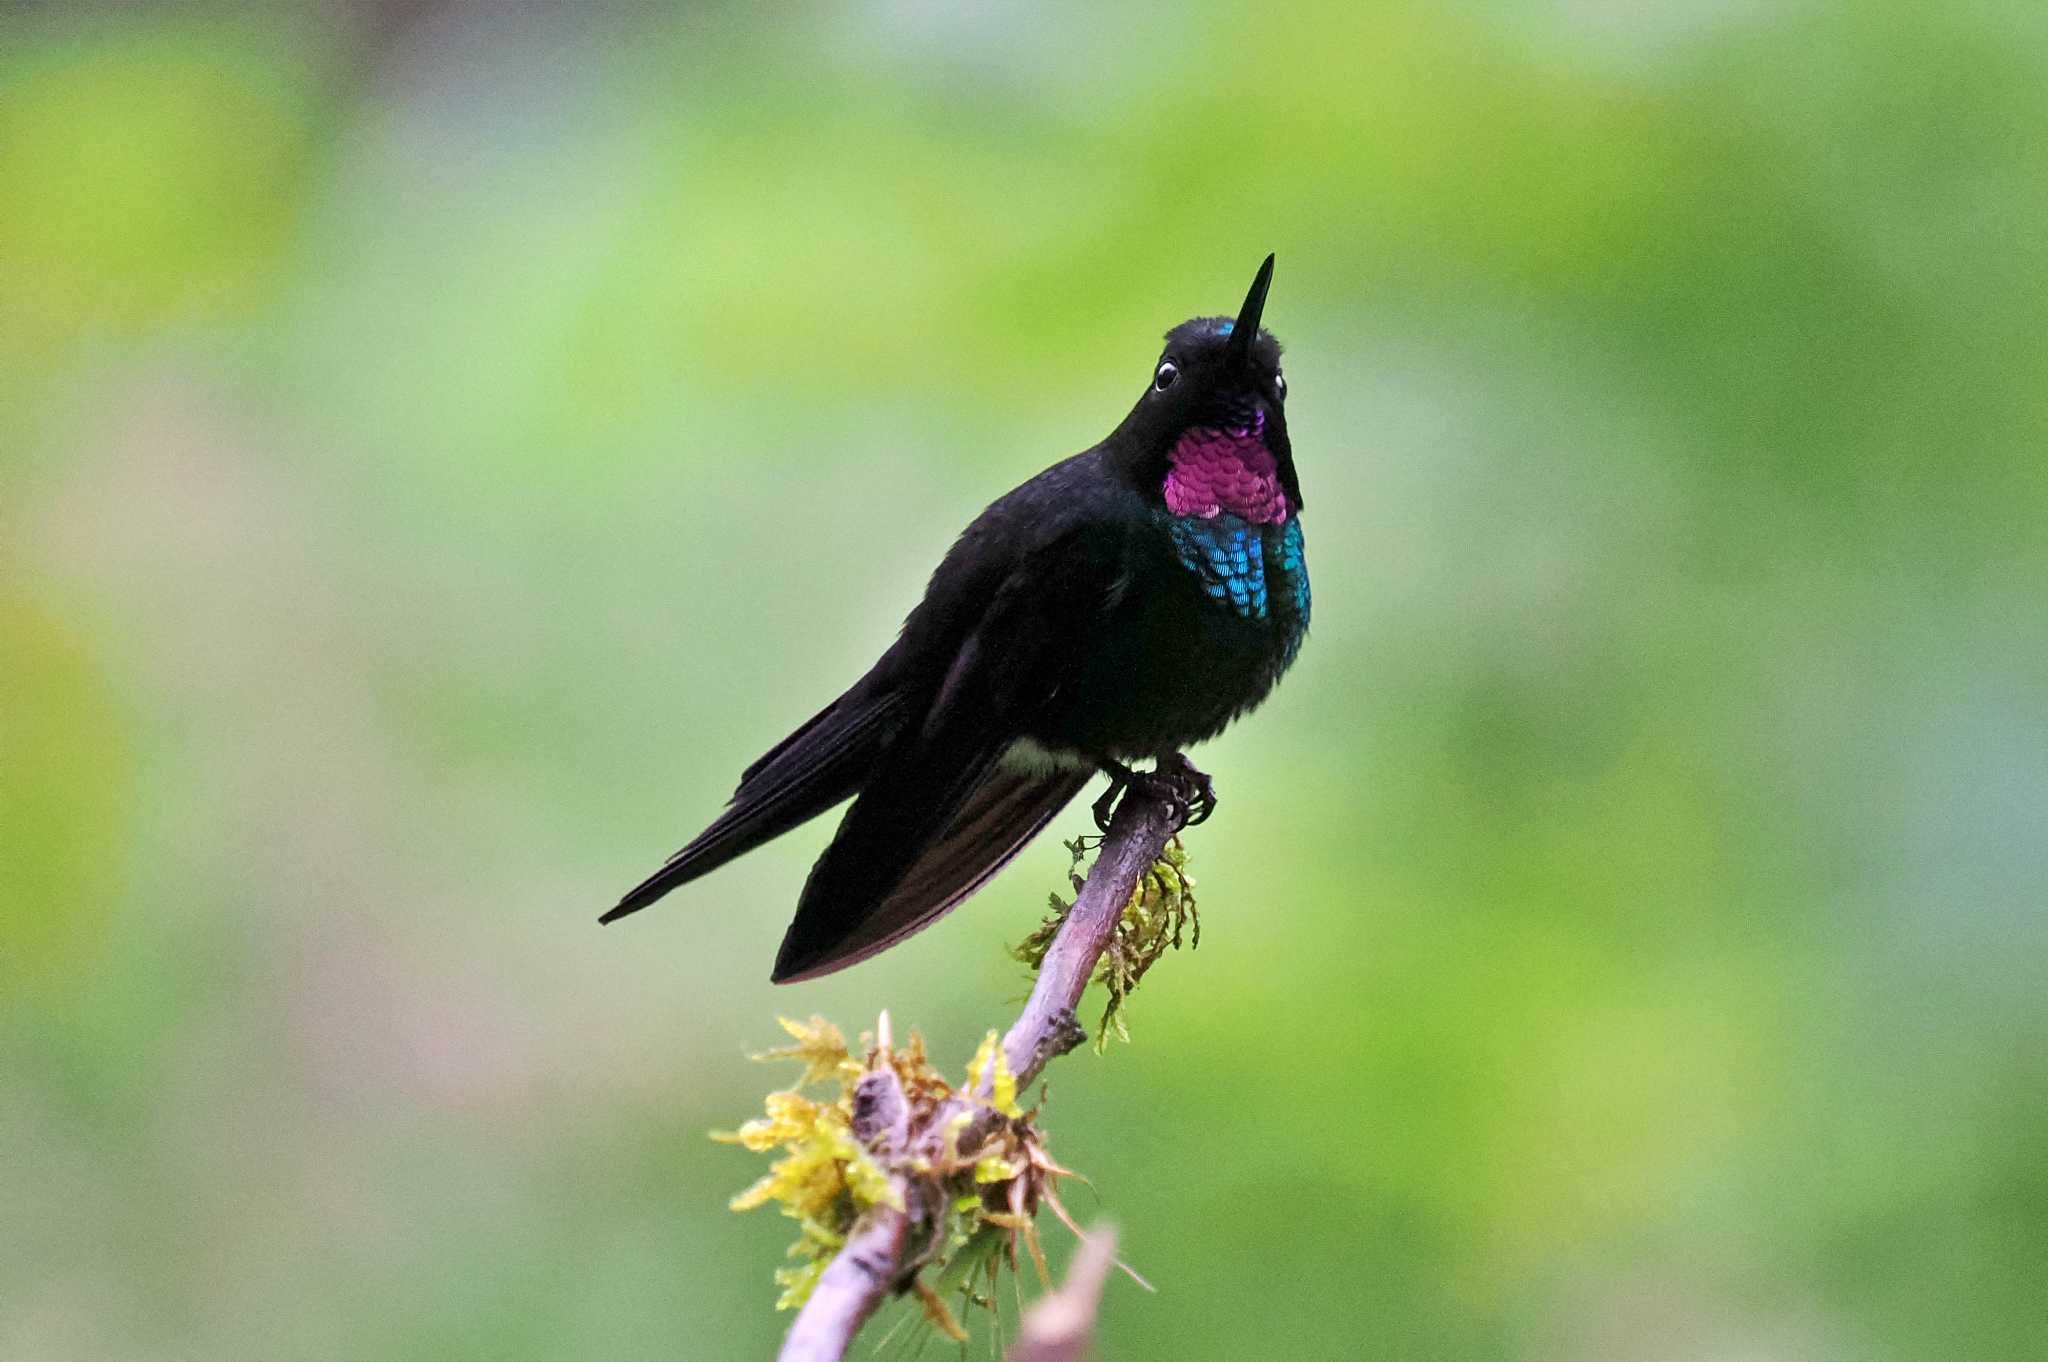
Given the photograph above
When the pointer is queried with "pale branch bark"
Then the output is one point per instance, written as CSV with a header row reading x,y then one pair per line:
x,y
872,1263
1060,1325
1047,1028
853,1285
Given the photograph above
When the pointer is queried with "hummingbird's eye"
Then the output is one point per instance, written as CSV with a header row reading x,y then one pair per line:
x,y
1168,371
1280,384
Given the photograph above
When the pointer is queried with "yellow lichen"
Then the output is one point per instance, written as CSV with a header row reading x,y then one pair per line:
x,y
1003,1083
820,1047
980,1160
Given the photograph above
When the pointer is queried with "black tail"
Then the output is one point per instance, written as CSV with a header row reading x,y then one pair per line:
x,y
856,904
822,763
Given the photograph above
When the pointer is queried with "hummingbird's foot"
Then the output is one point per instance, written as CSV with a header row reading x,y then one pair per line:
x,y
1174,781
1121,778
1105,807
1198,790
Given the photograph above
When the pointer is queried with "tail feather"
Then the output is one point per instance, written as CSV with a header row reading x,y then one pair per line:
x,y
819,765
1000,816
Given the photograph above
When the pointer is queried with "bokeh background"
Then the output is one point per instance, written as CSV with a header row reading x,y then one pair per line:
x,y
440,445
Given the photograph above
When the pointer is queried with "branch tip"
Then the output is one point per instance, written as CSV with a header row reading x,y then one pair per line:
x,y
879,1254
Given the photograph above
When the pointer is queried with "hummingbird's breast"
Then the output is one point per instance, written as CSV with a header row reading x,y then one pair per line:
x,y
1229,521
1215,611
1259,573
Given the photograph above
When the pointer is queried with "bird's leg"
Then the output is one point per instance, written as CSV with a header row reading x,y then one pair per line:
x,y
1172,780
1198,790
1120,778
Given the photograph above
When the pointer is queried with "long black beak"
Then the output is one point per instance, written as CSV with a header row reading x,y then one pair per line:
x,y
1245,329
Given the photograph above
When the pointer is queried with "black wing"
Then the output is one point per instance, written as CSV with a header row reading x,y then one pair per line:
x,y
1003,813
938,814
805,774
921,739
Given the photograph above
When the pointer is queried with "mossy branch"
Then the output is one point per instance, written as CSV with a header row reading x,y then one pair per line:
x,y
894,1235
1153,921
1135,843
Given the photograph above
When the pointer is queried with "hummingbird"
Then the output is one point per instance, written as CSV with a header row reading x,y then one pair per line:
x,y
1121,605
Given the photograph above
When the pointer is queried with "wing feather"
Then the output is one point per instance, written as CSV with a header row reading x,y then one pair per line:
x,y
819,765
1004,812
928,780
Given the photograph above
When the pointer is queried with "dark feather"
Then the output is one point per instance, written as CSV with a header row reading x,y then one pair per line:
x,y
923,782
805,774
1001,816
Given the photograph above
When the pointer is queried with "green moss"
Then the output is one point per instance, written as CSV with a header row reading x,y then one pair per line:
x,y
1159,913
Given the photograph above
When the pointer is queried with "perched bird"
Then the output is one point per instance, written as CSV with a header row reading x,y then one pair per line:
x,y
1119,606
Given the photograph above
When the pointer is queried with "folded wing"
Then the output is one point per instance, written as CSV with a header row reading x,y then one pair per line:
x,y
817,766
1004,811
941,812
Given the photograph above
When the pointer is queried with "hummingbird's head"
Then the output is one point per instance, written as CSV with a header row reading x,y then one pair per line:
x,y
1209,437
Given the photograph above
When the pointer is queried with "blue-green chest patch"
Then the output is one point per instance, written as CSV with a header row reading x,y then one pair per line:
x,y
1254,569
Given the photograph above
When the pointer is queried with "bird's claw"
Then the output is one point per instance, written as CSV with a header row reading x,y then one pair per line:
x,y
1105,807
1201,791
1175,782
1195,792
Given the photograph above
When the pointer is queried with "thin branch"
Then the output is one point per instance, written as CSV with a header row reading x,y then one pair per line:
x,y
1047,1029
872,1263
1060,1326
853,1285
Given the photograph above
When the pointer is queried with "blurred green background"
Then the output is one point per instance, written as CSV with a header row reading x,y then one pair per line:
x,y
439,446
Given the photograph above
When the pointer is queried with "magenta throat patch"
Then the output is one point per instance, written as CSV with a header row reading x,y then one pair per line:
x,y
1226,471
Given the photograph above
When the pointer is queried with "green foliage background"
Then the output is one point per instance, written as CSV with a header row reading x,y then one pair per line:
x,y
439,447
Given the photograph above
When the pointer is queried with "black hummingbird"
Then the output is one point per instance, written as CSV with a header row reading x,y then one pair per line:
x,y
1124,603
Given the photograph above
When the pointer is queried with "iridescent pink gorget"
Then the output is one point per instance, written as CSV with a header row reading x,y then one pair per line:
x,y
1214,471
